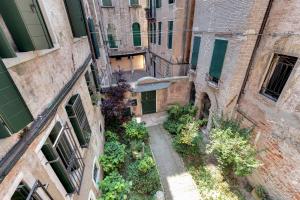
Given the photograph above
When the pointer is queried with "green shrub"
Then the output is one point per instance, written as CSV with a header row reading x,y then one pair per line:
x,y
113,157
135,130
111,136
143,183
261,192
146,164
114,187
176,111
233,151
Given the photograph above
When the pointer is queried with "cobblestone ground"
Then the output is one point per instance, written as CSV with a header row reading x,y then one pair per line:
x,y
178,184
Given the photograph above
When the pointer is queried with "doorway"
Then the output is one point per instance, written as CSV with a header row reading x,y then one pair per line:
x,y
148,102
205,107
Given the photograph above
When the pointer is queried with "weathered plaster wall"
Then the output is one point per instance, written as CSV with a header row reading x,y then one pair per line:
x,y
277,123
128,63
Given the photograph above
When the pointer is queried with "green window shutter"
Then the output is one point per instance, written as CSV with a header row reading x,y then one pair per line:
x,y
158,3
195,53
150,32
134,2
154,33
111,41
136,34
159,32
58,167
26,24
170,34
79,120
106,3
6,51
94,37
218,57
76,17
95,73
13,110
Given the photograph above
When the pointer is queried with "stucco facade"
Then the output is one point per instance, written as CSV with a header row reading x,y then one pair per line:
x,y
42,78
276,123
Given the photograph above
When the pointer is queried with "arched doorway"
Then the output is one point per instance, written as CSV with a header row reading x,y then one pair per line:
x,y
205,106
192,94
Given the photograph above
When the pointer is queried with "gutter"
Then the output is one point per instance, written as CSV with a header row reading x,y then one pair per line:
x,y
254,52
17,151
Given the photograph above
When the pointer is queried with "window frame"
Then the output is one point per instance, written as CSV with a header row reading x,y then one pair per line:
x,y
170,34
107,6
134,5
97,165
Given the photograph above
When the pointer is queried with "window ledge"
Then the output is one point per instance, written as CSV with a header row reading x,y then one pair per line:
x,y
23,57
135,6
75,40
107,6
213,84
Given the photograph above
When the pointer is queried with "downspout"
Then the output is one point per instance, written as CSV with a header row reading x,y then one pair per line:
x,y
254,52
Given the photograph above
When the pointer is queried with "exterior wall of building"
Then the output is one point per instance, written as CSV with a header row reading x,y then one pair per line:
x,y
128,63
122,16
276,123
167,96
179,13
40,76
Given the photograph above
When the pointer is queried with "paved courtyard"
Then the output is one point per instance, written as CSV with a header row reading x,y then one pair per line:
x,y
177,182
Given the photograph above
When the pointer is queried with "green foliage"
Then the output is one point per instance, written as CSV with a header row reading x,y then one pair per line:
x,y
143,183
113,157
233,150
135,130
114,187
176,111
111,136
261,192
146,164
211,184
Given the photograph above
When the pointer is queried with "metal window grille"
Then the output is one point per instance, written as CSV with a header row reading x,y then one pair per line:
x,y
281,68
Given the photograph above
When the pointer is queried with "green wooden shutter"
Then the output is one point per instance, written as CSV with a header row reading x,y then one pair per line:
x,y
154,33
106,3
158,3
95,73
58,167
76,17
159,32
6,51
195,53
218,57
13,109
111,41
26,24
94,37
136,34
150,32
170,34
134,2
79,120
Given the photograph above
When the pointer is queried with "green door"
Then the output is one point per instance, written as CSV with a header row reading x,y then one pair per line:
x,y
149,102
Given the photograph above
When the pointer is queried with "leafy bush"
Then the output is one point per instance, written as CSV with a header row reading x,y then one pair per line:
x,y
233,150
143,183
135,130
111,136
113,157
146,164
176,111
114,187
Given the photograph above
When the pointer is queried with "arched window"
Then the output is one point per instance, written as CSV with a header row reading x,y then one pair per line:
x,y
136,32
111,36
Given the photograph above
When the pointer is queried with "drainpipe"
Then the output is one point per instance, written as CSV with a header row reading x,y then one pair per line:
x,y
254,52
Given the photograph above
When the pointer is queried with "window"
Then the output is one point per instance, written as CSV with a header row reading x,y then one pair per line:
x,y
158,3
90,84
171,1
23,193
159,32
95,73
279,72
195,52
154,32
170,34
134,2
76,17
96,172
150,32
79,120
94,37
63,155
136,34
27,27
14,114
217,60
111,36
106,3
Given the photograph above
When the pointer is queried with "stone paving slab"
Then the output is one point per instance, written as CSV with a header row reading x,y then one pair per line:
x,y
178,184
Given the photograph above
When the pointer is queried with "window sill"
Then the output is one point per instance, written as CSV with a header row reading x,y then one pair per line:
x,y
75,40
23,57
135,6
213,85
107,6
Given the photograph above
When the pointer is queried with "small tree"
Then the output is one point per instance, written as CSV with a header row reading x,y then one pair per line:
x,y
114,105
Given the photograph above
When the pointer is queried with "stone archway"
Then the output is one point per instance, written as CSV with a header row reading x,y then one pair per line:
x,y
205,105
193,94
